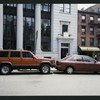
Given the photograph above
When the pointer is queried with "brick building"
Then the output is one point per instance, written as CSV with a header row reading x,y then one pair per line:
x,y
89,30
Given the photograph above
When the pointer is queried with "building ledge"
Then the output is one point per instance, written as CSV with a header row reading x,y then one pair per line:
x,y
65,38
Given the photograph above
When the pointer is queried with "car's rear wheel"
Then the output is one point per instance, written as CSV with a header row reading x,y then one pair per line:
x,y
5,69
45,69
69,70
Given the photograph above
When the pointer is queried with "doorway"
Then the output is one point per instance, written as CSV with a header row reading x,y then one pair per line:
x,y
64,51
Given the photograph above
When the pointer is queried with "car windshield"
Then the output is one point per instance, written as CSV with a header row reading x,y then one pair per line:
x,y
65,58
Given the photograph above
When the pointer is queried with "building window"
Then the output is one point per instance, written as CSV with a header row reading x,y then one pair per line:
x,y
45,7
12,5
9,32
46,35
68,8
28,6
64,44
91,41
9,28
83,18
46,27
91,19
83,41
98,43
61,6
98,30
99,19
64,28
83,30
29,33
91,30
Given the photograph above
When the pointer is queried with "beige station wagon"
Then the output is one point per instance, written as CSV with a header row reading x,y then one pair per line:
x,y
23,59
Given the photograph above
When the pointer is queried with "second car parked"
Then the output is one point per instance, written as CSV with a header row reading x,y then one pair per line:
x,y
78,63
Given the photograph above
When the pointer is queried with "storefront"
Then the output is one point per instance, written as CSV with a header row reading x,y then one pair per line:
x,y
90,51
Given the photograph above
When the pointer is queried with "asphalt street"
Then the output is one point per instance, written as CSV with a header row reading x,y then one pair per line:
x,y
32,83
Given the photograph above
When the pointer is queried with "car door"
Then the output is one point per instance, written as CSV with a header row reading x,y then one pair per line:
x,y
78,63
28,60
15,58
97,66
90,63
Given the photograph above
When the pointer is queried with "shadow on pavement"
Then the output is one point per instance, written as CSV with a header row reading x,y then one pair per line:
x,y
56,72
77,73
26,72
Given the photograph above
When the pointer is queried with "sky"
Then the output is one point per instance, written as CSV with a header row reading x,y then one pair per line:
x,y
80,6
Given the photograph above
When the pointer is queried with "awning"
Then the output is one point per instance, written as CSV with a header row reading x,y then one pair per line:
x,y
89,48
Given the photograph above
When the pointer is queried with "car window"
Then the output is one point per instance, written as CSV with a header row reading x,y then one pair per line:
x,y
15,54
75,58
88,59
4,54
65,58
91,59
27,55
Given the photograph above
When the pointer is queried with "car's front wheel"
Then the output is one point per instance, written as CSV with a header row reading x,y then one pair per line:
x,y
5,69
69,70
45,69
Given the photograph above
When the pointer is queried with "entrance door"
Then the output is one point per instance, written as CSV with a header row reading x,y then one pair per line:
x,y
64,51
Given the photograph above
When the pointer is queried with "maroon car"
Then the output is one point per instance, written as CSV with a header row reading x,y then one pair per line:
x,y
77,63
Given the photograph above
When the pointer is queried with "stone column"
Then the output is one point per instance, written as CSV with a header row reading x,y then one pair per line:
x,y
52,26
1,26
19,26
38,27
